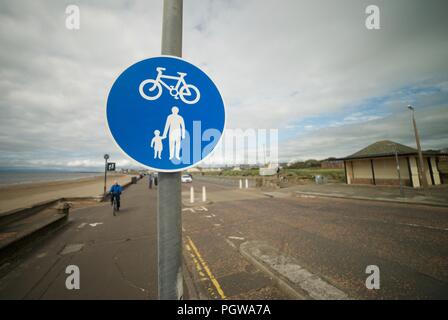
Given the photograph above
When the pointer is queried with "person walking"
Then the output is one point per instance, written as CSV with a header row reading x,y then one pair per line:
x,y
150,181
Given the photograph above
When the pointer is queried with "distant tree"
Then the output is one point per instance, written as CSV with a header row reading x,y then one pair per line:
x,y
311,163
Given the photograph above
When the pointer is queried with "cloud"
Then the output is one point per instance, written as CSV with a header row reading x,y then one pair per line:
x,y
278,65
342,141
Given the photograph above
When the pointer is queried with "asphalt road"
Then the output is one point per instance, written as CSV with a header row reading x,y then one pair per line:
x,y
333,239
116,256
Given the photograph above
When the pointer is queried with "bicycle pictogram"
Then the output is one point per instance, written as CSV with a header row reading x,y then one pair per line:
x,y
188,93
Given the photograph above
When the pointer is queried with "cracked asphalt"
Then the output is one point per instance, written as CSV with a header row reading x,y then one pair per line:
x,y
116,256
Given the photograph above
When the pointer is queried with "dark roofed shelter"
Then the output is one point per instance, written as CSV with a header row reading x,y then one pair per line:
x,y
376,165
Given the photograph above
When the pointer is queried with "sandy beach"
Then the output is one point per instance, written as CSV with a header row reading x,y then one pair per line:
x,y
23,195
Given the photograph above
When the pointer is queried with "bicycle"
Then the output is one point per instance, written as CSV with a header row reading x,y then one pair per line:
x,y
176,91
114,205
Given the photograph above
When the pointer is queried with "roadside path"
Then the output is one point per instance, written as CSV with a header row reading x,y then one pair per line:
x,y
116,256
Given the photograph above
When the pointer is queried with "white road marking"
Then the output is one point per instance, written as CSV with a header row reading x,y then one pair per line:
x,y
236,238
414,225
95,224
82,225
422,226
188,209
231,243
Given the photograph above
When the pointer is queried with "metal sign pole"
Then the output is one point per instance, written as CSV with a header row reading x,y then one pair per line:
x,y
106,156
169,224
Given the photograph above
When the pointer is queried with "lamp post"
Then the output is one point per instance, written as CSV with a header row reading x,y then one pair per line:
x,y
397,163
106,157
398,171
421,167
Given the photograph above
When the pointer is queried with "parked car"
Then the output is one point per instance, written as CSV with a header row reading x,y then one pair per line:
x,y
186,178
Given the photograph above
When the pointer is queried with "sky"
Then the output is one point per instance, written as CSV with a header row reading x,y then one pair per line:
x,y
310,69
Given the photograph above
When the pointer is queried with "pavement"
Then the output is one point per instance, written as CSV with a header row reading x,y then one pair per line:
x,y
116,256
435,195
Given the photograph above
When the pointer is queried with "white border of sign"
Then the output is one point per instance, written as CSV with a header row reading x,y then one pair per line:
x,y
144,165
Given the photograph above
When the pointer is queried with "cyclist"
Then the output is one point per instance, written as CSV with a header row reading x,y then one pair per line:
x,y
115,192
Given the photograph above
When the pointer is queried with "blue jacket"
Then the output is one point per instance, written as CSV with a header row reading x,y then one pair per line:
x,y
116,189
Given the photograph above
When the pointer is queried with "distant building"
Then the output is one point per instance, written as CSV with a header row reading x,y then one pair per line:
x,y
376,165
442,165
270,170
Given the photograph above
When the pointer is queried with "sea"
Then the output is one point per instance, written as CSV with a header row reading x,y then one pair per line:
x,y
20,177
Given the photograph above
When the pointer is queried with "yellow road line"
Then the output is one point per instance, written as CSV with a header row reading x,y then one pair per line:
x,y
207,270
196,262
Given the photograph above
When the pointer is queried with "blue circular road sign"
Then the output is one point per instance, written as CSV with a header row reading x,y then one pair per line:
x,y
165,113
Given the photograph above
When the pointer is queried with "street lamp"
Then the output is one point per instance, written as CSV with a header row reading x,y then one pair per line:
x,y
106,157
398,171
397,162
419,149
